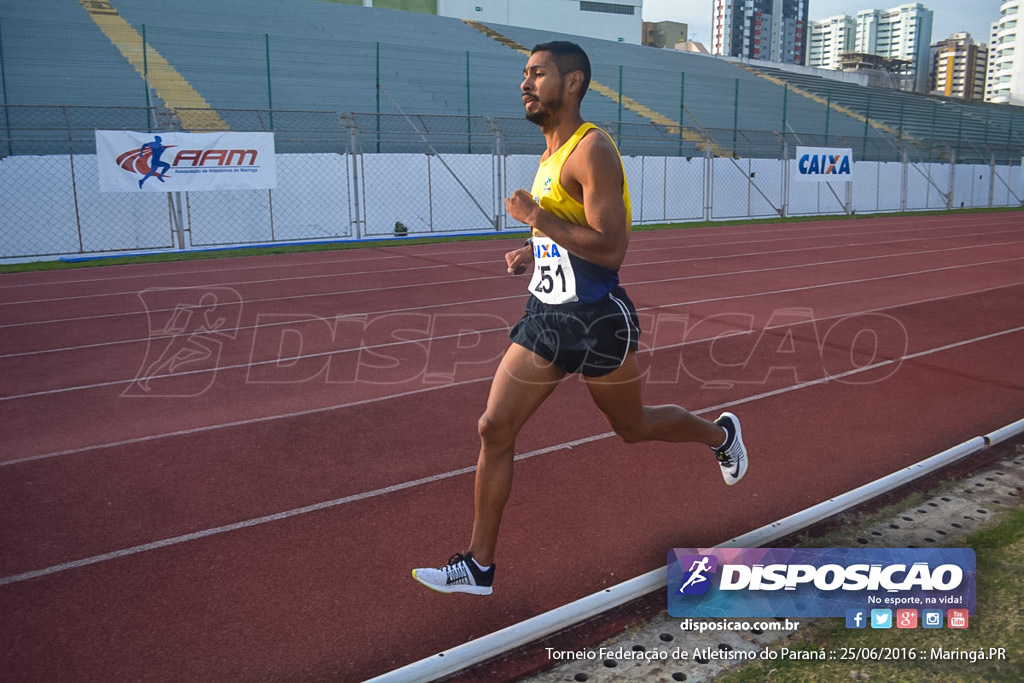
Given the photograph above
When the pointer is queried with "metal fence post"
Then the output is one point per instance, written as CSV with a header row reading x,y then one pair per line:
x,y
3,91
785,102
469,112
959,130
682,109
784,203
867,121
735,115
619,130
499,182
903,180
992,180
709,183
377,81
952,180
828,113
270,93
935,110
902,104
74,181
174,202
357,218
145,80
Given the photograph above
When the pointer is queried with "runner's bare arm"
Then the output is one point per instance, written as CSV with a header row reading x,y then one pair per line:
x,y
593,175
518,260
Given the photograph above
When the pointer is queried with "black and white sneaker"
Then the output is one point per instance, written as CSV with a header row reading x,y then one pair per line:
x,y
460,575
732,455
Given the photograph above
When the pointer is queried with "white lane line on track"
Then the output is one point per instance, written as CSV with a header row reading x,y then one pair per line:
x,y
677,234
458,303
380,399
242,423
505,277
449,265
789,290
286,514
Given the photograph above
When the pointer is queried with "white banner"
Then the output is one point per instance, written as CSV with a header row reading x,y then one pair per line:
x,y
128,161
823,164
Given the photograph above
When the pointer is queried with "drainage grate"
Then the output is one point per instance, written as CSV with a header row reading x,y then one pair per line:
x,y
942,520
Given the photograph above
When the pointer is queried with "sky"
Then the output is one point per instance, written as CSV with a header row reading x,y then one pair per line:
x,y
949,16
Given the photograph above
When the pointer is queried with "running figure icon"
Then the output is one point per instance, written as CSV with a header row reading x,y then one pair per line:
x,y
697,570
156,149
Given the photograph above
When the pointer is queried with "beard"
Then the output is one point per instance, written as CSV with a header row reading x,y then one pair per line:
x,y
545,113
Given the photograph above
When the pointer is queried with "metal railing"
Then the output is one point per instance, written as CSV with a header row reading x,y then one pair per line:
x,y
360,175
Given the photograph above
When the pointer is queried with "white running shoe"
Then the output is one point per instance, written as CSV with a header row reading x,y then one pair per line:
x,y
460,575
732,455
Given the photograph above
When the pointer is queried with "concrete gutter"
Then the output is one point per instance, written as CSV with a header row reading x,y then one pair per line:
x,y
511,637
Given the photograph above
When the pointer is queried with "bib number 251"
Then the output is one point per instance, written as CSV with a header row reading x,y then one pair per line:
x,y
553,279
547,280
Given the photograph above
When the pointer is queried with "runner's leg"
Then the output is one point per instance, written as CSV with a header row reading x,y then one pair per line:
x,y
521,384
618,397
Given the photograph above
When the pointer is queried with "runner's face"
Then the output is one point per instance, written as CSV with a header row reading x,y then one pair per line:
x,y
543,89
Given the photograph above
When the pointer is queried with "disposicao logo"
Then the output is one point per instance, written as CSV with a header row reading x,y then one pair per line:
x,y
695,581
816,582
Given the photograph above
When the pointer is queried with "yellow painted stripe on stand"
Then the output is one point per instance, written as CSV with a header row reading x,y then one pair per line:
x,y
821,100
194,112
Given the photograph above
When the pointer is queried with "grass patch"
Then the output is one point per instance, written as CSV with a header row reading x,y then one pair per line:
x,y
340,245
839,538
997,623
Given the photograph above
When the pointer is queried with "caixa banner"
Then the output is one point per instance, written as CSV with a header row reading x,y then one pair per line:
x,y
129,161
817,582
823,164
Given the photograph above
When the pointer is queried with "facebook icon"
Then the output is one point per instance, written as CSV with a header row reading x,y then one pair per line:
x,y
856,618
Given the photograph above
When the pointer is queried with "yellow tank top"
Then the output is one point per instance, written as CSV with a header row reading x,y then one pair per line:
x,y
549,193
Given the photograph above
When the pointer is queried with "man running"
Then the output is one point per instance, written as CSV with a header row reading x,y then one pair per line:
x,y
156,149
578,319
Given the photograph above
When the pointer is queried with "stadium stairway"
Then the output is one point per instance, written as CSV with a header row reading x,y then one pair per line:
x,y
186,104
713,93
835,106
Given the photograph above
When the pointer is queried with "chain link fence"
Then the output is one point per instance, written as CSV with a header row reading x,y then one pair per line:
x,y
363,175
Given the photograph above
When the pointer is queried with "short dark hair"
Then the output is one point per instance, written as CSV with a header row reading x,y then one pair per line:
x,y
569,57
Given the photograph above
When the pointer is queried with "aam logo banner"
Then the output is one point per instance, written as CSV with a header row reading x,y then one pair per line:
x,y
824,164
817,582
129,161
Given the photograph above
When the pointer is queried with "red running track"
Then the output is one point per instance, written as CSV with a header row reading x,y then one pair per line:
x,y
225,470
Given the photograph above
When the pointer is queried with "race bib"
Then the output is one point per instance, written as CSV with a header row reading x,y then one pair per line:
x,y
553,279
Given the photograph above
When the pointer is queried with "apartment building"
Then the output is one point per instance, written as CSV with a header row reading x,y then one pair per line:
x,y
771,30
900,33
959,67
1005,81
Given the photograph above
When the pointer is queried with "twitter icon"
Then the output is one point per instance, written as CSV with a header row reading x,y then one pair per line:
x,y
881,618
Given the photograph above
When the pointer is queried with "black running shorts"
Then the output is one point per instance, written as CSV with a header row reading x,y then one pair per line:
x,y
587,338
